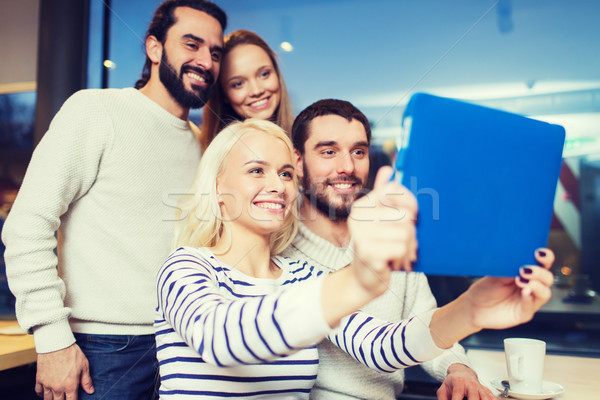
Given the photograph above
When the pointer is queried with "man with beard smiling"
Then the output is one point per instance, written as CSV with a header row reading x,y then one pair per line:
x,y
332,138
98,178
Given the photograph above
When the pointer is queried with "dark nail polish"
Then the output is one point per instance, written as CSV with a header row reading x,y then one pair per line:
x,y
524,280
527,270
541,253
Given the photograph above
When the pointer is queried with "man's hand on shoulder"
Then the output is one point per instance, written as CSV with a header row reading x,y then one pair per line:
x,y
60,373
462,383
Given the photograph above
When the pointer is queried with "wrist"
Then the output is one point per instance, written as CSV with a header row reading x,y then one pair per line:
x,y
459,368
53,337
453,322
353,290
342,295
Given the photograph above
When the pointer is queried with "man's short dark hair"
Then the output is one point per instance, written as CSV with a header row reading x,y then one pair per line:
x,y
164,19
320,108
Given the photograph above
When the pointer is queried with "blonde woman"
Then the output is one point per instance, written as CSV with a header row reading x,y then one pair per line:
x,y
234,319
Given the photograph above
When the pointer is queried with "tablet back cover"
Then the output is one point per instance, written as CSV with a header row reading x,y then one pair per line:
x,y
485,182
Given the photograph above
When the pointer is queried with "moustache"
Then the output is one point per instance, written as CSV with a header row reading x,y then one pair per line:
x,y
207,75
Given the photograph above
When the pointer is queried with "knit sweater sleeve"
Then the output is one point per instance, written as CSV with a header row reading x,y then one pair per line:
x,y
62,169
420,299
229,330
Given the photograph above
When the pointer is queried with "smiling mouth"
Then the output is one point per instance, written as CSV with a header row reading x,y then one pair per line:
x,y
343,186
259,103
270,206
196,76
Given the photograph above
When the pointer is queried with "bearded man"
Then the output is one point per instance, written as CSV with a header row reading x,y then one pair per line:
x,y
331,140
99,178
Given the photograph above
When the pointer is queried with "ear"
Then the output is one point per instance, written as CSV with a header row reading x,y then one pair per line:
x,y
153,49
299,164
218,191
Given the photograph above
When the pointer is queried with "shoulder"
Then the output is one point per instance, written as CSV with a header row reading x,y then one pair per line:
x,y
95,95
86,103
189,259
105,96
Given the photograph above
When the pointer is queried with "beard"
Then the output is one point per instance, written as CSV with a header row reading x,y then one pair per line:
x,y
336,206
174,83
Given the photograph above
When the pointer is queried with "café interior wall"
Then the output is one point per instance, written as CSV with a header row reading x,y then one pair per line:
x,y
19,47
19,44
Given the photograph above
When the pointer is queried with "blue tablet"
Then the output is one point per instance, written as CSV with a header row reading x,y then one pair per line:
x,y
485,181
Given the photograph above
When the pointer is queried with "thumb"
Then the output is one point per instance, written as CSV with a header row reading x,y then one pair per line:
x,y
86,380
383,177
392,194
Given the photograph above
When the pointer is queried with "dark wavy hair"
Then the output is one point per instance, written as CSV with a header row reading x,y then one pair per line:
x,y
164,19
342,108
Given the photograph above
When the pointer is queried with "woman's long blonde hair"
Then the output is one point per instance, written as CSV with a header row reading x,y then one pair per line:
x,y
218,112
200,222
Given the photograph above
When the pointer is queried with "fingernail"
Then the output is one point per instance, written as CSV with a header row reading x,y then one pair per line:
x,y
526,270
523,280
541,253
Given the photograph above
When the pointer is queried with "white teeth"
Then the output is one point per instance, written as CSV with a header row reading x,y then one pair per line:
x,y
196,76
343,185
271,206
259,103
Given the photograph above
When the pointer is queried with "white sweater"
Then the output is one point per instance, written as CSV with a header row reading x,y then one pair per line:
x,y
342,378
223,334
106,174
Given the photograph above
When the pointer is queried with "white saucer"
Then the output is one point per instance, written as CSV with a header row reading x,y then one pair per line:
x,y
549,390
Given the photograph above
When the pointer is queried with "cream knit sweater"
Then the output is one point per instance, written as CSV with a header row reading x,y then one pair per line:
x,y
106,174
340,377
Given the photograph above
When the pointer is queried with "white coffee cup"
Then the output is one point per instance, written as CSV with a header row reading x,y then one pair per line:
x,y
525,364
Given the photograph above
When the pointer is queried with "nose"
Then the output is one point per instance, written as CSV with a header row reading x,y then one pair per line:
x,y
345,164
204,58
274,184
255,88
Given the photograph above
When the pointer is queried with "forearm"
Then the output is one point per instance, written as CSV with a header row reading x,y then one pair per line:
x,y
384,346
31,266
452,323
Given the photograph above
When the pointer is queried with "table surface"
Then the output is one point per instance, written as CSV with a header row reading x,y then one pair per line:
x,y
15,350
578,375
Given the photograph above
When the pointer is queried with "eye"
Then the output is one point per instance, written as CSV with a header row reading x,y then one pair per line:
x,y
192,45
216,56
328,153
236,84
265,74
288,175
359,153
256,171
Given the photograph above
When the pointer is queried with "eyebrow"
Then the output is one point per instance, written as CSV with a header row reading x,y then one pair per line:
x,y
262,162
200,40
325,144
334,143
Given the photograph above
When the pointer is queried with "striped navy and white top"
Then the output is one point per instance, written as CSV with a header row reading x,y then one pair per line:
x,y
223,334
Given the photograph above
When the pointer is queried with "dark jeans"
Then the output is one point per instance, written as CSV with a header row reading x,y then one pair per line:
x,y
122,367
